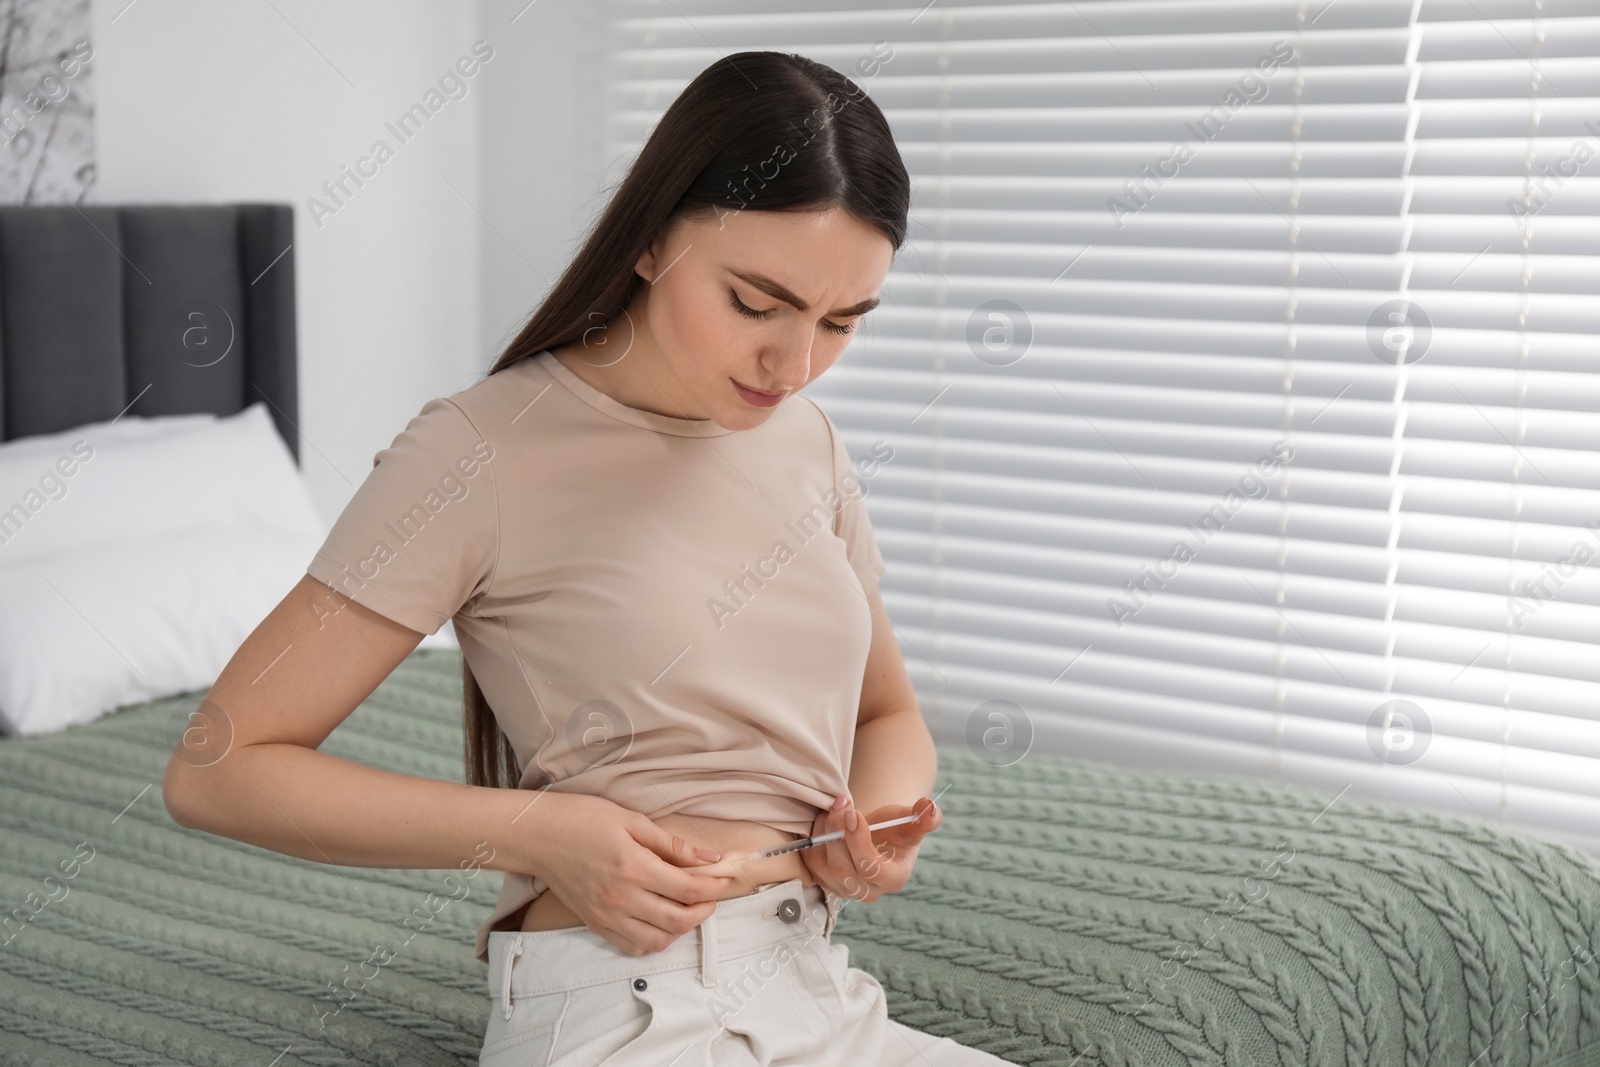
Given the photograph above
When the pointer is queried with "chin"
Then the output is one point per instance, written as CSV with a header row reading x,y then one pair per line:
x,y
749,418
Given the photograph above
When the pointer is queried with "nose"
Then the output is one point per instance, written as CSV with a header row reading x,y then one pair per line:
x,y
789,360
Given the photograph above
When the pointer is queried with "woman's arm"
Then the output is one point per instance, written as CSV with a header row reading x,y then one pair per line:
x,y
894,761
248,767
893,766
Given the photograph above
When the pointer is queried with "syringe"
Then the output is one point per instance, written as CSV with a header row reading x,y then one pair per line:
x,y
822,839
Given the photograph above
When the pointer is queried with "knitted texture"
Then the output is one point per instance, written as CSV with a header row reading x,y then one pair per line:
x,y
1066,913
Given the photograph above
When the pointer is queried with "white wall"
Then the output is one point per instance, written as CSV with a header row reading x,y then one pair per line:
x,y
219,100
408,291
542,163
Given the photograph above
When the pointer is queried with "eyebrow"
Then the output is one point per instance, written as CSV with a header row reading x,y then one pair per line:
x,y
781,292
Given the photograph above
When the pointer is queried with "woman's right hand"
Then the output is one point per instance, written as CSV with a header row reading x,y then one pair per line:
x,y
629,880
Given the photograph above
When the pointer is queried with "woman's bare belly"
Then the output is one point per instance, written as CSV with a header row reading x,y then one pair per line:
x,y
731,837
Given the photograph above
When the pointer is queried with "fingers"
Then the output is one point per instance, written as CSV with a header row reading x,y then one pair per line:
x,y
655,923
639,922
929,818
834,858
858,842
687,886
726,867
852,862
863,866
670,847
639,886
688,874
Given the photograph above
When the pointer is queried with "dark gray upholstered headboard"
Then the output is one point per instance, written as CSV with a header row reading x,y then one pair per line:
x,y
174,308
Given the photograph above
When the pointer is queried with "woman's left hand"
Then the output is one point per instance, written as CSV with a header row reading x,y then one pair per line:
x,y
864,865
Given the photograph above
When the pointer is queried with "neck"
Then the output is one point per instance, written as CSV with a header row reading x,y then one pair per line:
x,y
623,360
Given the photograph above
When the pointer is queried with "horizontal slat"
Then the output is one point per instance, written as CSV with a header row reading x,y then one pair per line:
x,y
1338,508
1100,558
1122,85
1111,517
896,332
1340,663
1125,87
1484,404
1240,568
1117,17
1328,326
831,20
1114,739
1521,40
1318,237
1440,405
1230,161
1559,121
1055,264
1329,719
1050,301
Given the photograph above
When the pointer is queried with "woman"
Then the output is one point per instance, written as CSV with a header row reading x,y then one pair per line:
x,y
665,587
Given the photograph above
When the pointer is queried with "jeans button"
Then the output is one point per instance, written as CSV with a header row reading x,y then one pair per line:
x,y
640,984
789,910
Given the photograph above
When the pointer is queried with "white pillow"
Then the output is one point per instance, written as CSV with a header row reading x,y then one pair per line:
x,y
127,428
135,559
87,631
106,488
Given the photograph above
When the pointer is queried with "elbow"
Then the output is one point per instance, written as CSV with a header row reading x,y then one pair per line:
x,y
176,787
192,782
188,794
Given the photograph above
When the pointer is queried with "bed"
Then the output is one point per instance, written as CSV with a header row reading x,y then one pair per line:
x,y
1067,913
1043,918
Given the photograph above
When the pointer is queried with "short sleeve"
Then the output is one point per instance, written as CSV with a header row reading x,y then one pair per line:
x,y
850,522
420,538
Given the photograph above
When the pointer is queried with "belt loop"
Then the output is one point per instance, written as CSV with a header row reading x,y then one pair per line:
x,y
833,903
708,951
512,952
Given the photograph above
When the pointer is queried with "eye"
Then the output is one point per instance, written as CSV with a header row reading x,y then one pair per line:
x,y
751,313
745,309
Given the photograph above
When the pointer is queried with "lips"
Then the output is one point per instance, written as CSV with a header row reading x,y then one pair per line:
x,y
757,397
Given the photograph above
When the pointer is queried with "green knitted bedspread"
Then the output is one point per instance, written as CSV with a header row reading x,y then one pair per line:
x,y
1066,913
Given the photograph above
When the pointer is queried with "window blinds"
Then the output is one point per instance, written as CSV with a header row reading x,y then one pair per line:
x,y
1240,377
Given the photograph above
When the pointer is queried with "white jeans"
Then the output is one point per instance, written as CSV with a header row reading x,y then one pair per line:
x,y
759,982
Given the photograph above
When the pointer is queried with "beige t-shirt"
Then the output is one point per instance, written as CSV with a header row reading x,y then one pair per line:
x,y
660,611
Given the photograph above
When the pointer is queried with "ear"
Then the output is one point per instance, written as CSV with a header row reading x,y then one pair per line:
x,y
645,265
650,259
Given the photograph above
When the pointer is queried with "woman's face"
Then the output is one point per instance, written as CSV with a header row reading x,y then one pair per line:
x,y
749,304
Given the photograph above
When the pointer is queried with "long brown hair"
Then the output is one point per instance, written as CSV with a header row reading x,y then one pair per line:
x,y
762,131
